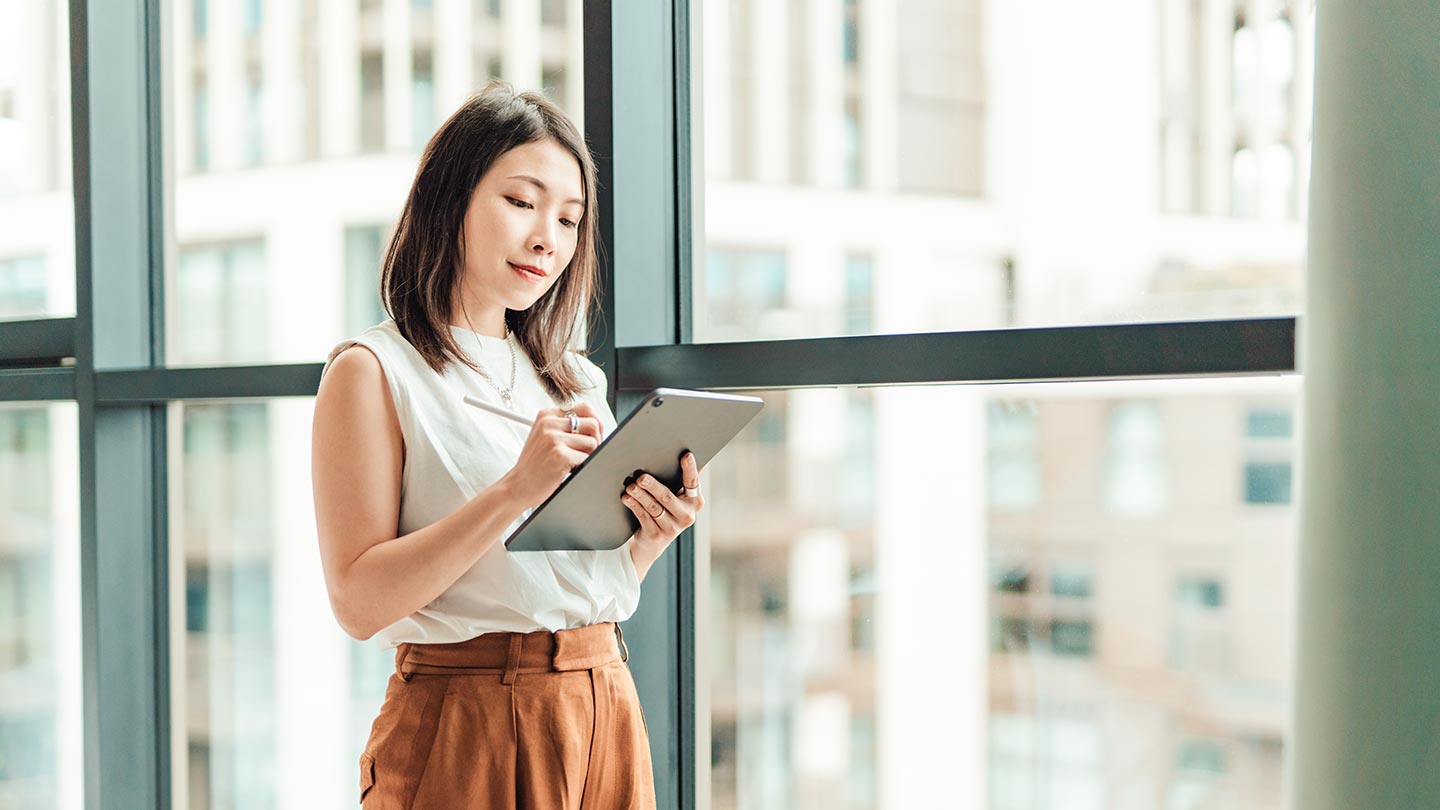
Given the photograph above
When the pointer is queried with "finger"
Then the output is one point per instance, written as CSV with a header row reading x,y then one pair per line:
x,y
689,476
560,423
583,442
647,523
661,493
587,412
576,457
652,507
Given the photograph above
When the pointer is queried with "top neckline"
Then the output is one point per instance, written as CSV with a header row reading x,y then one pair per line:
x,y
485,340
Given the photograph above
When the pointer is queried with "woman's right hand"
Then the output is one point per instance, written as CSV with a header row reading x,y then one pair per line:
x,y
551,451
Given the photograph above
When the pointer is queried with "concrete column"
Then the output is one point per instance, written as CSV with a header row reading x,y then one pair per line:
x,y
520,44
1367,697
824,133
225,73
397,70
339,80
769,92
283,96
713,107
879,93
455,76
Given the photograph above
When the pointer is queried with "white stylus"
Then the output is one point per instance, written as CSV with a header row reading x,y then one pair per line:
x,y
499,411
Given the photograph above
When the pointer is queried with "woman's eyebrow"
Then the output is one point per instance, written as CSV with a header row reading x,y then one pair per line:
x,y
542,186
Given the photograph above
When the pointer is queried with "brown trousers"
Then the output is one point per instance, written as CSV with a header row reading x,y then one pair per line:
x,y
523,720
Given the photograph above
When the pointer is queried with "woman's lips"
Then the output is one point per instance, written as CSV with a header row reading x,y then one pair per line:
x,y
527,272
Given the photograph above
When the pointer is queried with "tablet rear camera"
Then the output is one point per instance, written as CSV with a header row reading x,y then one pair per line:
x,y
658,401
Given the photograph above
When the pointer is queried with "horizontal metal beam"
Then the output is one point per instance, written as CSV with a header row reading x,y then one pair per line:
x,y
40,342
1127,351
130,386
1186,349
37,384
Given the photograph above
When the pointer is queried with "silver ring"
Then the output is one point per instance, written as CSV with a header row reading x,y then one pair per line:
x,y
691,492
574,423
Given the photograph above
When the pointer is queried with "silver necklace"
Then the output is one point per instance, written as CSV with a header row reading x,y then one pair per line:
x,y
506,394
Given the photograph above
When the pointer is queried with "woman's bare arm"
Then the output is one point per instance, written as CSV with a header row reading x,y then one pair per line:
x,y
374,577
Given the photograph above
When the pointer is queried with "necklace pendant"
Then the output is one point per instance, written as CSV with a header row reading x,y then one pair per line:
x,y
509,400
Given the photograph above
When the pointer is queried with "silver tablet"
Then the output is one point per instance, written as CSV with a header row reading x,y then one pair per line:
x,y
585,512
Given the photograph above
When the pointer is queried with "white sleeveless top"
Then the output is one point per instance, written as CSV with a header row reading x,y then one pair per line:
x,y
452,452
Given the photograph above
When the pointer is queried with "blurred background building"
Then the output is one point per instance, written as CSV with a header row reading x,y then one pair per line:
x,y
1064,595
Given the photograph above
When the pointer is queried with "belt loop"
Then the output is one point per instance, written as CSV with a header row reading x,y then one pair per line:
x,y
620,637
402,652
512,660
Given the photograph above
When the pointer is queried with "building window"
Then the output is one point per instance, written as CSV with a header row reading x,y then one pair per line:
x,y
1071,582
422,98
22,287
850,42
1072,638
854,145
1269,440
372,102
745,291
363,246
1199,778
552,81
1267,483
254,122
1013,468
1011,579
859,294
1011,634
202,125
254,13
1200,593
1136,481
222,303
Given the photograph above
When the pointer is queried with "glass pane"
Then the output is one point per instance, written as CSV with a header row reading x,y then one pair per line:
x,y
275,701
296,131
947,596
41,720
937,165
37,207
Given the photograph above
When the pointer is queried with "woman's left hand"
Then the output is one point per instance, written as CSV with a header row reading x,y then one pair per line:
x,y
663,514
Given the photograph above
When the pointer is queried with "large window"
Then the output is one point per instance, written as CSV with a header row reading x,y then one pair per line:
x,y
986,617
37,213
995,169
40,711
276,701
297,129
972,592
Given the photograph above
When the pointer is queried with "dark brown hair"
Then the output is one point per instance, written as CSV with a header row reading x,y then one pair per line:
x,y
425,259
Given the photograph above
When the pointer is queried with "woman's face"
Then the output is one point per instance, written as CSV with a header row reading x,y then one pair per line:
x,y
522,225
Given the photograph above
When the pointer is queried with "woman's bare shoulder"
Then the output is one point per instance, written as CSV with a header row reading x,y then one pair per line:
x,y
355,393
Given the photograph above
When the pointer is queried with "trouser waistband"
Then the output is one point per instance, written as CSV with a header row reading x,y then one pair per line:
x,y
507,654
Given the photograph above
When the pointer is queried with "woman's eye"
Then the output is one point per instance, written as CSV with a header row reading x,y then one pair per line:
x,y
518,203
567,223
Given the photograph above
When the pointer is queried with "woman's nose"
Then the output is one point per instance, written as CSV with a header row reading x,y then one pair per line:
x,y
543,241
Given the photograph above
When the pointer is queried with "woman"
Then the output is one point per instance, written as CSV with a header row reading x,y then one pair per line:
x,y
511,686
